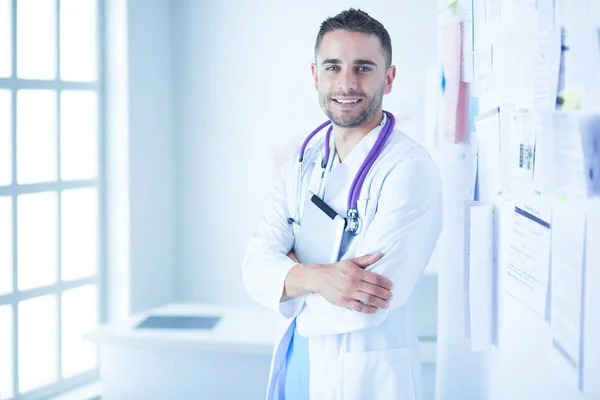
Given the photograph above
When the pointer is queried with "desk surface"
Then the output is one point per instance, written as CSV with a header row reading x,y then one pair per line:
x,y
242,329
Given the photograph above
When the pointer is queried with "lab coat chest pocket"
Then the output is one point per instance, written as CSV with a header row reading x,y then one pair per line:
x,y
379,374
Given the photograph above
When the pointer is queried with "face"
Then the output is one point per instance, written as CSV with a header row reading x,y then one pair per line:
x,y
351,77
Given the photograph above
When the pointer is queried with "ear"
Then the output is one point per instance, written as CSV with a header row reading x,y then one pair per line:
x,y
315,74
389,79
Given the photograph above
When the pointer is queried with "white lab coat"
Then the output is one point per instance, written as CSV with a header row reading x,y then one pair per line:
x,y
353,356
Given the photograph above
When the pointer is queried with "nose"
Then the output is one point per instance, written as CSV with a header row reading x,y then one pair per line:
x,y
347,80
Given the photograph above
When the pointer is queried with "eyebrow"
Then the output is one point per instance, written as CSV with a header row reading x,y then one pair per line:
x,y
356,62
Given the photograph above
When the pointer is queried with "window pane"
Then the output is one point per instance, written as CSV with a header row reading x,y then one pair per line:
x,y
78,41
6,352
37,337
36,240
5,39
79,316
5,138
79,233
79,135
6,245
36,136
36,39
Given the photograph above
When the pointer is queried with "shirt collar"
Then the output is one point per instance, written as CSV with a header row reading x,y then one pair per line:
x,y
358,154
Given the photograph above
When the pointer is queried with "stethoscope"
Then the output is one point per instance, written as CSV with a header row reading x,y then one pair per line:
x,y
352,217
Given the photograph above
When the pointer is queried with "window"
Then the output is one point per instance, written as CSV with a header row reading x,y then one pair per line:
x,y
51,194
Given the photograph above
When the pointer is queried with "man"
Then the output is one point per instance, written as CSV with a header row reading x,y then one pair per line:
x,y
346,332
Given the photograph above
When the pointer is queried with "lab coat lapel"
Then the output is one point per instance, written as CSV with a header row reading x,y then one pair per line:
x,y
342,175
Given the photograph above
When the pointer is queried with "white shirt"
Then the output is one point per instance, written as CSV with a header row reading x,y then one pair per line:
x,y
354,355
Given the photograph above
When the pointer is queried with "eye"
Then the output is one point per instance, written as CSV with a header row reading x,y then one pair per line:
x,y
332,68
364,69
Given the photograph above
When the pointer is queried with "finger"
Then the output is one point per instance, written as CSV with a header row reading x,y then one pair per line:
x,y
377,291
292,255
362,308
371,300
367,259
379,280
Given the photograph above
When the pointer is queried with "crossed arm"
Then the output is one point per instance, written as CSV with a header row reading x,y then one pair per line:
x,y
358,293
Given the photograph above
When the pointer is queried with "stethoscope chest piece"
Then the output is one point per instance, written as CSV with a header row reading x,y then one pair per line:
x,y
353,221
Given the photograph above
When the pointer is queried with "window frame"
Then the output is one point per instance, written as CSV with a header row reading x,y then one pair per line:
x,y
12,191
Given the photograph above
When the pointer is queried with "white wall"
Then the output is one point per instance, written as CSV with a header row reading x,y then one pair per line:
x,y
242,92
139,181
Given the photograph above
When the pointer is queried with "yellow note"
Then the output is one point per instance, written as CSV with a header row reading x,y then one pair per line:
x,y
451,4
571,100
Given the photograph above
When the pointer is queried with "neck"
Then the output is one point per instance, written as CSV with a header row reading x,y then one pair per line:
x,y
347,138
348,135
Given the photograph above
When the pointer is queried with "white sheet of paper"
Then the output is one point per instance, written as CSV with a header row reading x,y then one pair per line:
x,y
544,154
547,69
501,53
522,162
582,66
591,317
492,12
479,274
489,163
503,82
483,70
568,155
507,123
568,234
467,51
571,13
526,276
479,18
562,159
595,12
594,86
546,17
466,266
524,49
515,39
482,51
465,14
467,170
589,126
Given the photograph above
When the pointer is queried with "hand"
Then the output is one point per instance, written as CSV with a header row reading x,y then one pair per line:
x,y
348,285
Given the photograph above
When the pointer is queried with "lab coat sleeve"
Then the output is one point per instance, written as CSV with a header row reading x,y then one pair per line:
x,y
405,229
266,264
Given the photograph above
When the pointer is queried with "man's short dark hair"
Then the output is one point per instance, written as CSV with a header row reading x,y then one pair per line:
x,y
357,21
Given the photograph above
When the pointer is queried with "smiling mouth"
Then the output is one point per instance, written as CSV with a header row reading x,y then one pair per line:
x,y
343,101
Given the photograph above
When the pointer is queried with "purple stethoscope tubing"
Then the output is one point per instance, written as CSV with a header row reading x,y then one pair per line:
x,y
369,160
312,134
359,179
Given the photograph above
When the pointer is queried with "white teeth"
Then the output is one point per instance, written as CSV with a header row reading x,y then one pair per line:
x,y
347,101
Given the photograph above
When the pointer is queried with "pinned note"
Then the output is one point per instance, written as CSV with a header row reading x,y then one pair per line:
x,y
568,237
591,317
569,160
489,163
456,92
569,100
479,270
527,271
465,14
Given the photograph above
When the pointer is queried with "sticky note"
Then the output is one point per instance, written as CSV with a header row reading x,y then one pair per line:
x,y
569,100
